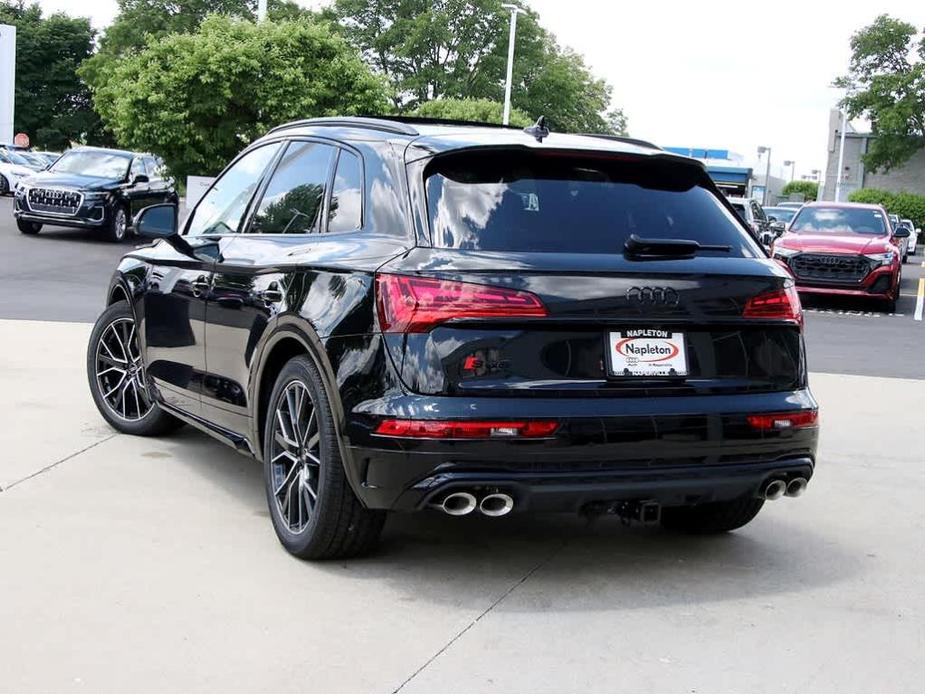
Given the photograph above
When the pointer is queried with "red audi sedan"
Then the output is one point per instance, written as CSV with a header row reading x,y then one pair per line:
x,y
843,249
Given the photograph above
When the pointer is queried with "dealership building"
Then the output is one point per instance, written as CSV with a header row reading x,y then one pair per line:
x,y
909,177
728,171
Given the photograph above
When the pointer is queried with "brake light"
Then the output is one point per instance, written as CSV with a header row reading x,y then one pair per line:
x,y
778,304
471,429
780,421
408,304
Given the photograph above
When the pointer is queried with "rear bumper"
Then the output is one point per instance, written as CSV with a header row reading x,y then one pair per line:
x,y
671,450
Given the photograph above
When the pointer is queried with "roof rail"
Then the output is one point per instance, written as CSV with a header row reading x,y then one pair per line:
x,y
385,124
426,120
621,138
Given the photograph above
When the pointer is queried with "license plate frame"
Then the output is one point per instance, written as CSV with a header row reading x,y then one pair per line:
x,y
660,353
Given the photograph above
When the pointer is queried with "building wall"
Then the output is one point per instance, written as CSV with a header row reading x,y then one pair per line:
x,y
910,177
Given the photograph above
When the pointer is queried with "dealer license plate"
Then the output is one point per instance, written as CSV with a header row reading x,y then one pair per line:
x,y
646,352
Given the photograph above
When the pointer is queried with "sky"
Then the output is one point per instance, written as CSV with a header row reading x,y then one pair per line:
x,y
712,75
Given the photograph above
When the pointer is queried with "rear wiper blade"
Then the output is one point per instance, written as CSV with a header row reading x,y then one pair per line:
x,y
672,248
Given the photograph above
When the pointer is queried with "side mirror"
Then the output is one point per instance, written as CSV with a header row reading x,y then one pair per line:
x,y
157,221
901,233
140,178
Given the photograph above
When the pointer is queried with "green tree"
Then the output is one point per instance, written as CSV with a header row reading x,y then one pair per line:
x,y
197,99
52,103
809,189
477,110
457,49
888,87
906,205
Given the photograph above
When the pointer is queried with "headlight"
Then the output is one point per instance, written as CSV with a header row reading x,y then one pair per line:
x,y
882,258
95,195
783,252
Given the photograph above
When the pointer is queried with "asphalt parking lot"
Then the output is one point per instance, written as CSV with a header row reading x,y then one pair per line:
x,y
149,565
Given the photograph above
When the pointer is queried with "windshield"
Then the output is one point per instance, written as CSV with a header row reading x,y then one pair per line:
x,y
780,214
11,157
561,202
815,220
94,164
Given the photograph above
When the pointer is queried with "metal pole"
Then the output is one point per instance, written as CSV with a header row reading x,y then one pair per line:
x,y
261,10
7,81
841,156
767,179
510,64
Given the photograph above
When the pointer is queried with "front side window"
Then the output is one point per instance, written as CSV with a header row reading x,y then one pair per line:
x,y
93,164
345,211
138,168
154,171
561,202
294,196
838,220
222,207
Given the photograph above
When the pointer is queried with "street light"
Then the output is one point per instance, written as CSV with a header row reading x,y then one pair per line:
x,y
514,10
767,173
793,165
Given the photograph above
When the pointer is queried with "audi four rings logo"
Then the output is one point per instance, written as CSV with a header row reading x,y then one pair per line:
x,y
653,296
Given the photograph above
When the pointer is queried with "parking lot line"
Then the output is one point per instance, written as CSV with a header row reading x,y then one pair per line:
x,y
920,299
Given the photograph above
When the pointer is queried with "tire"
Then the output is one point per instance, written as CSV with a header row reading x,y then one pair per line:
x,y
30,228
889,306
141,416
712,518
314,511
118,227
4,185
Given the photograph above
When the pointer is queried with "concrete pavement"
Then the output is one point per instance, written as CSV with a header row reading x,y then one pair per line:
x,y
149,565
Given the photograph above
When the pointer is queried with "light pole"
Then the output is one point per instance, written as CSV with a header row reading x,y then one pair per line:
x,y
841,156
514,10
793,165
261,10
767,173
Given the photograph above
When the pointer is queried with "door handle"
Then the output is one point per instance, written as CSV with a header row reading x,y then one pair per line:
x,y
272,294
200,286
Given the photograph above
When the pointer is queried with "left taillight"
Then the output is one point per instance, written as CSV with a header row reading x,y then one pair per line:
x,y
779,304
409,304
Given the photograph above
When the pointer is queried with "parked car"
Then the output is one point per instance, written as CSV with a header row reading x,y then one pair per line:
x,y
12,170
399,316
92,188
779,217
754,216
845,249
49,157
913,239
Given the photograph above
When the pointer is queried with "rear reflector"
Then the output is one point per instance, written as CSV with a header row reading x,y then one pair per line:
x,y
410,304
779,304
779,421
450,429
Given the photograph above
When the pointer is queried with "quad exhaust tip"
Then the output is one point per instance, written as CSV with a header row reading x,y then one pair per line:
x,y
458,504
775,490
495,505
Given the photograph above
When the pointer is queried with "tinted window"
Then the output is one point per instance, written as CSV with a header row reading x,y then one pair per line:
x,y
740,208
815,220
292,201
153,169
138,167
221,208
557,202
347,194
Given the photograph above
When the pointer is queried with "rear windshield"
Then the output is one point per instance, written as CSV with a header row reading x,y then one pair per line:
x,y
566,203
820,220
780,214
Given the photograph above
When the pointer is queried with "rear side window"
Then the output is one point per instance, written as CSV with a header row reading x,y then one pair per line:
x,y
346,206
292,201
571,203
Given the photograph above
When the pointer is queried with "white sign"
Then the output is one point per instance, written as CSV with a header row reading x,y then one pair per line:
x,y
7,81
647,352
196,187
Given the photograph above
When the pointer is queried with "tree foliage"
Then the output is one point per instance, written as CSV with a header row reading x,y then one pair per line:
x,y
887,86
196,99
457,49
477,110
808,189
906,205
52,103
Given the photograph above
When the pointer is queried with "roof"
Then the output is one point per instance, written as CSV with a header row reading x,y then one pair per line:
x,y
436,136
105,150
856,205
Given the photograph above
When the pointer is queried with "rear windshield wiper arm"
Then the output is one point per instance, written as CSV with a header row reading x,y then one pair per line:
x,y
668,248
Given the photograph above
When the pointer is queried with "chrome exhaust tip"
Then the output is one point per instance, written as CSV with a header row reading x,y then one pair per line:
x,y
495,505
775,489
797,486
458,504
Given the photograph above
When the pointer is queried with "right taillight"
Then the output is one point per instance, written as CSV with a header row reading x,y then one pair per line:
x,y
409,304
778,304
782,421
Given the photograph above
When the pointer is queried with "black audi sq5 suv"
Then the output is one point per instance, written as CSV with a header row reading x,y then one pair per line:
x,y
92,188
399,316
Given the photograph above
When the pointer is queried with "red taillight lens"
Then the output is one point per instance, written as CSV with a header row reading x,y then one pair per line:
x,y
779,304
409,304
450,429
779,421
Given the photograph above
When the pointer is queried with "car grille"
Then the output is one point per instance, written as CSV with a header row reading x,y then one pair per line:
x,y
830,268
54,200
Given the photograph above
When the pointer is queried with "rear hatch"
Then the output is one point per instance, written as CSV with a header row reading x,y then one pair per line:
x,y
528,287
